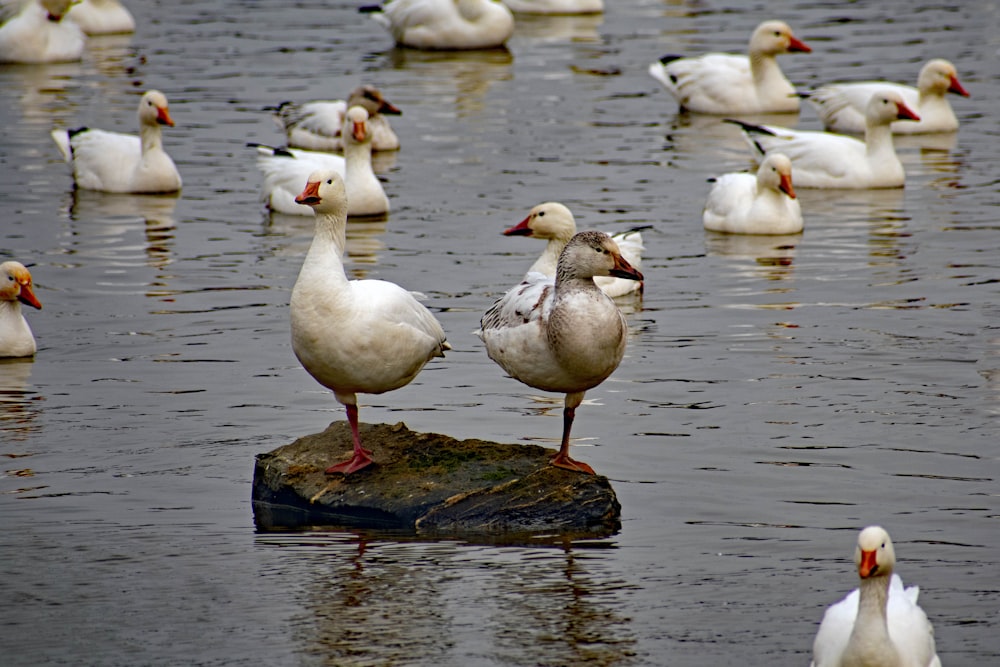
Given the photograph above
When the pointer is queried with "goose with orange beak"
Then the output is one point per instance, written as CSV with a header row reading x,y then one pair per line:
x,y
16,339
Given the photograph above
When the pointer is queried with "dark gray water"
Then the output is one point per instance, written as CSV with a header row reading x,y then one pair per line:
x,y
777,395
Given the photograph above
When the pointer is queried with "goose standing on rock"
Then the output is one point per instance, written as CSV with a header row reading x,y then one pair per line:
x,y
446,25
123,163
285,169
317,125
841,106
555,223
879,623
564,337
354,336
40,33
761,203
725,83
826,160
16,339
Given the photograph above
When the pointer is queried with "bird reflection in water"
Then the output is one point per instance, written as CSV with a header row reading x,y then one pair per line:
x,y
386,599
19,404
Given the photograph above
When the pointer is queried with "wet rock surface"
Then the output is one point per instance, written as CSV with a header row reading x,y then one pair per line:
x,y
428,483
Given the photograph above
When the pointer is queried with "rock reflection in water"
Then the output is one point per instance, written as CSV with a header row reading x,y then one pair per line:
x,y
376,601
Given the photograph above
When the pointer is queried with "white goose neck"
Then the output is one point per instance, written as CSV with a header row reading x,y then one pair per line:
x,y
878,140
151,136
870,642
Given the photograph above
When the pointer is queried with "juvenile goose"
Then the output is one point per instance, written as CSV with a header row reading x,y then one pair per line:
x,y
354,336
285,169
724,83
102,17
445,24
317,125
564,337
841,106
555,223
825,160
16,339
761,203
879,623
115,162
38,34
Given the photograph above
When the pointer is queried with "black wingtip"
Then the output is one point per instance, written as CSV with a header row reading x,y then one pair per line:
x,y
369,9
76,130
669,58
749,127
277,107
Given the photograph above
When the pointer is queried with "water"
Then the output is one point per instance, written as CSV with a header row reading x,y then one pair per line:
x,y
777,395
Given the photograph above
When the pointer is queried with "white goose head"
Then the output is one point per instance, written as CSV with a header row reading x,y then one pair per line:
x,y
356,130
874,555
773,38
939,76
886,106
775,173
153,109
550,220
15,284
325,193
590,254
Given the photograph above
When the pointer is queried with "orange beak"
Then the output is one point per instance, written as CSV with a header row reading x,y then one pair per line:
x,y
163,116
622,269
520,229
310,196
797,46
358,130
905,112
956,87
868,567
27,296
786,185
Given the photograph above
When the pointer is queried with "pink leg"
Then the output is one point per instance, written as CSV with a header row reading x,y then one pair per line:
x,y
562,459
362,457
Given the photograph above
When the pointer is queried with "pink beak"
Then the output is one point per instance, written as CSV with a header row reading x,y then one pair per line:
x,y
956,87
905,112
310,196
520,229
797,46
786,185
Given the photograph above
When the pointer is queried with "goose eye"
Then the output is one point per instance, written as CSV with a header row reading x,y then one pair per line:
x,y
541,213
330,182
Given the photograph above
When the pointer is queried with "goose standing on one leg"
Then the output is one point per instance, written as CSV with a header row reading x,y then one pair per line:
x,y
554,222
564,337
285,169
115,162
354,336
826,160
879,623
318,125
16,339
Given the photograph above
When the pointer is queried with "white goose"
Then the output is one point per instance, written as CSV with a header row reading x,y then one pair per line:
x,y
354,336
555,6
115,162
841,106
16,339
317,125
555,223
445,24
102,17
564,337
761,203
39,34
879,623
285,169
724,83
825,160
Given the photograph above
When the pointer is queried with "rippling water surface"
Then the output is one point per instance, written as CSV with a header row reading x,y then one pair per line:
x,y
778,393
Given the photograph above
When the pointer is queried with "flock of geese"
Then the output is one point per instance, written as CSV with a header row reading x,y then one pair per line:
x,y
559,329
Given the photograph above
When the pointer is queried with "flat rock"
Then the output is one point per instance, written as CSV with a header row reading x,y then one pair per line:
x,y
429,484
